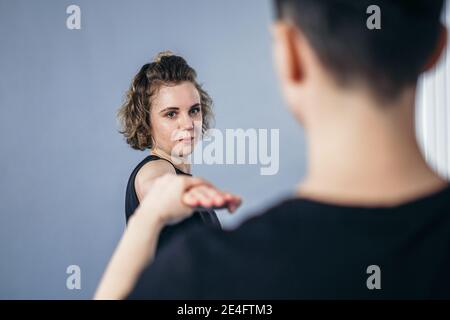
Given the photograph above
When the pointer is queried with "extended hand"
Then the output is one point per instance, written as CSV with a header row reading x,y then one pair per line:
x,y
172,198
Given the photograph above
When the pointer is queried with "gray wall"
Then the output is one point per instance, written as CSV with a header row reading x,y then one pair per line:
x,y
63,165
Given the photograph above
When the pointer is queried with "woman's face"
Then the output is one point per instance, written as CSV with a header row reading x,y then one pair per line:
x,y
176,119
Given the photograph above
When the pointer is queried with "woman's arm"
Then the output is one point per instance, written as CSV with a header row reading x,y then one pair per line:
x,y
170,198
135,250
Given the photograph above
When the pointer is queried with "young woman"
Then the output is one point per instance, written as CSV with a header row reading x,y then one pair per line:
x,y
166,111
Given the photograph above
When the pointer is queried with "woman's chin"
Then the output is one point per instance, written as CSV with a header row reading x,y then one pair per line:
x,y
184,149
187,150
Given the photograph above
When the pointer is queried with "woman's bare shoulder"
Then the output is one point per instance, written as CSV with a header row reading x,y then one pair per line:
x,y
150,171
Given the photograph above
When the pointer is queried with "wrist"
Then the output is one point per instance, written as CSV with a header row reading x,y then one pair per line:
x,y
148,220
141,235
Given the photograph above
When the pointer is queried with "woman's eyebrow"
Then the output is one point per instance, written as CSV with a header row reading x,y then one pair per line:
x,y
176,108
168,108
194,105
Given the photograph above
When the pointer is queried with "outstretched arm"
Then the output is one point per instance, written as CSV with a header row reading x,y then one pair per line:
x,y
170,198
135,250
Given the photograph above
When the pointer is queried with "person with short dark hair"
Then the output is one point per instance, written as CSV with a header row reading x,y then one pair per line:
x,y
371,219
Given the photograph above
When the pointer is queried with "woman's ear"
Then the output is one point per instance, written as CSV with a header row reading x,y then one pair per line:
x,y
439,50
286,52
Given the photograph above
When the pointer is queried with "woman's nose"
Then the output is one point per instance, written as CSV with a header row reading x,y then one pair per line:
x,y
186,122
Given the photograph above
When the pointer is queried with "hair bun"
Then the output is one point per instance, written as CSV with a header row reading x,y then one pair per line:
x,y
162,54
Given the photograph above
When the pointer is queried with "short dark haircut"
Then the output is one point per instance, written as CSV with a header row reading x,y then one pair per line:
x,y
387,59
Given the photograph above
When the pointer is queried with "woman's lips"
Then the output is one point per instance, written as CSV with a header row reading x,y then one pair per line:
x,y
186,140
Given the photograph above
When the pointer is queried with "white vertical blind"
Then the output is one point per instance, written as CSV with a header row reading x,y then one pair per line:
x,y
433,110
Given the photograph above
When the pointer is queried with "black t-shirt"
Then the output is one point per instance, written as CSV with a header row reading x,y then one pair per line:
x,y
304,249
203,218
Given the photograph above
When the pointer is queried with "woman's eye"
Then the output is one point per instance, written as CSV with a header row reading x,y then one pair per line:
x,y
195,110
171,114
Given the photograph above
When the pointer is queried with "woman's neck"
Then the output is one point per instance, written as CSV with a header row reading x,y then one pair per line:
x,y
180,163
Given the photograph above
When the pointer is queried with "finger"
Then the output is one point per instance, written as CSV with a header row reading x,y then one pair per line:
x,y
232,197
202,196
223,199
237,200
234,204
228,195
231,208
208,196
190,199
215,195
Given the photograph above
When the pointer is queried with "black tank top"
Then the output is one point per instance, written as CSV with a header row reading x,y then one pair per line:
x,y
203,217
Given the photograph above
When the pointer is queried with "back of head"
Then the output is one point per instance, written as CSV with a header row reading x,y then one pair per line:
x,y
387,59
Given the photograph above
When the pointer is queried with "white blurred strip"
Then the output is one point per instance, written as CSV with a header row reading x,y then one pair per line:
x,y
433,113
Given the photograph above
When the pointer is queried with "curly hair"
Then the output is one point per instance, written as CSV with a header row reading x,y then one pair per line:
x,y
167,69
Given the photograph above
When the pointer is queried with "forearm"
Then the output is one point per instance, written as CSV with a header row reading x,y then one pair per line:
x,y
135,250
